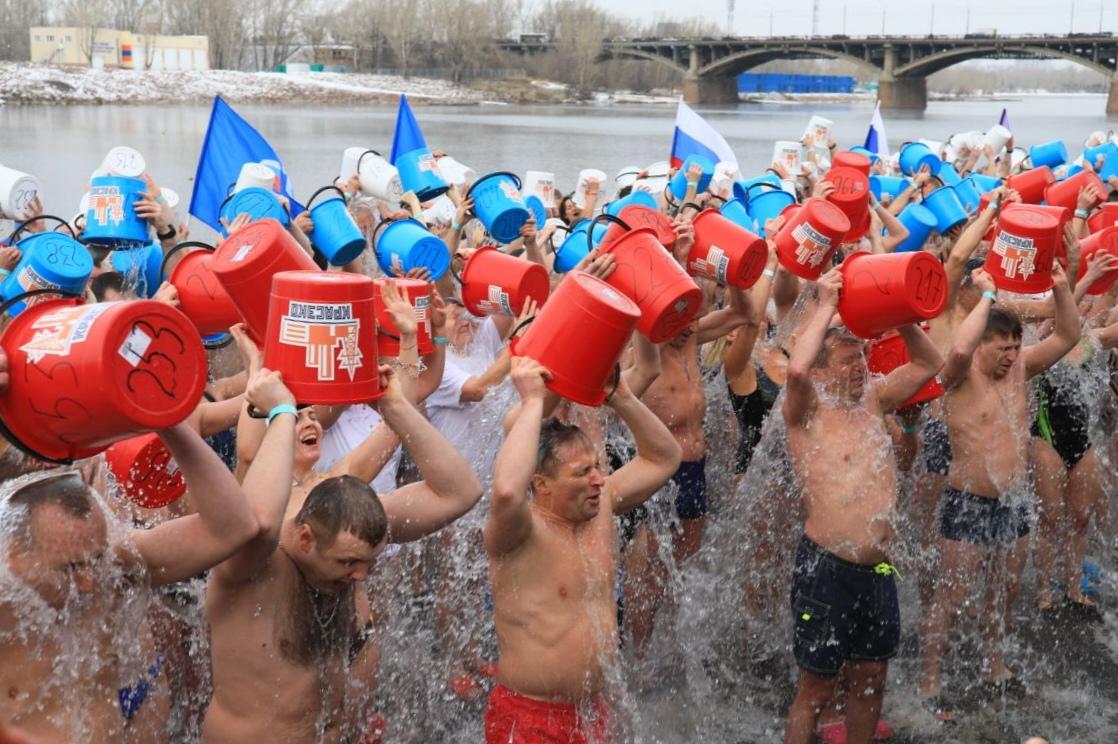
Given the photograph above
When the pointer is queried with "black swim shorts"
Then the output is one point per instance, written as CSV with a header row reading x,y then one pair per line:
x,y
964,517
691,499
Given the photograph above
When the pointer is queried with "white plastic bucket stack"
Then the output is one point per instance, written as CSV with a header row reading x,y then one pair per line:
x,y
17,191
996,137
787,153
255,175
378,177
582,191
124,162
455,173
540,184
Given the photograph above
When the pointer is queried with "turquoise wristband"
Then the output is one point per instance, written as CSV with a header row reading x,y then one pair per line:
x,y
439,339
455,227
908,429
1081,214
4,273
990,295
282,408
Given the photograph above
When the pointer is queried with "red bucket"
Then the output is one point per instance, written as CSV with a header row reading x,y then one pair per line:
x,y
388,338
1020,258
1032,183
889,352
201,296
855,160
246,262
652,278
579,336
885,291
726,252
145,471
85,376
496,283
636,215
851,195
1104,240
810,237
1062,214
1066,193
322,336
1105,216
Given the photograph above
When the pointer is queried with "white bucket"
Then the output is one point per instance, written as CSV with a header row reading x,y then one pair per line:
x,y
656,180
125,162
255,175
626,176
820,128
788,153
348,168
17,191
455,173
1019,155
725,174
379,178
996,137
83,209
441,210
965,141
582,191
170,196
540,184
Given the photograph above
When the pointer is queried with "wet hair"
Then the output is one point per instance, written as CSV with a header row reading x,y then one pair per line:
x,y
67,492
562,211
968,270
553,435
105,281
1004,323
624,191
835,335
344,504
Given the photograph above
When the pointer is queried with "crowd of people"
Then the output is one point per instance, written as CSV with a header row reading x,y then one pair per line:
x,y
250,609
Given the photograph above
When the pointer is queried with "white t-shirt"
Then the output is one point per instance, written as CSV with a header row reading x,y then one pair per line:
x,y
352,427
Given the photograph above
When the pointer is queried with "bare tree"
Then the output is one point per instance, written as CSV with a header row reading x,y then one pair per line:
x,y
221,20
16,19
87,16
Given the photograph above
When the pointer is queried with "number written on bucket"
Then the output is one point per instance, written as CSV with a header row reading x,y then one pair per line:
x,y
328,333
929,287
1018,254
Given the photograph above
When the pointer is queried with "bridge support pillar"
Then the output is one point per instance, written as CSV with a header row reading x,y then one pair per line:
x,y
710,89
1112,98
906,94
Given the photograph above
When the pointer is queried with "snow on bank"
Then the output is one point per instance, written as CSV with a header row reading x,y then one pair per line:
x,y
38,84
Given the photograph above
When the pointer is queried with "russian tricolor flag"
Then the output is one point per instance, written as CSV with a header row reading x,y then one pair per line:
x,y
876,141
693,136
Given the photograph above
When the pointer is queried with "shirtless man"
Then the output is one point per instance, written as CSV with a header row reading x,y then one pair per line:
x,y
551,543
986,376
286,619
77,658
844,599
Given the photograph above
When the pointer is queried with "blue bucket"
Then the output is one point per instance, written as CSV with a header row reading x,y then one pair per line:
x,y
894,186
142,267
538,210
764,205
335,234
741,188
413,245
1071,171
257,203
948,175
969,194
1091,154
735,211
678,184
639,198
111,218
873,156
984,183
420,174
915,155
948,209
499,205
920,222
1053,154
574,248
51,260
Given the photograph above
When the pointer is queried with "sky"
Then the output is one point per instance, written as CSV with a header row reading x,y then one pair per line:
x,y
864,17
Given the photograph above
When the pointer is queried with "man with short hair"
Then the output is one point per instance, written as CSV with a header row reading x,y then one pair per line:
x,y
844,598
288,626
552,548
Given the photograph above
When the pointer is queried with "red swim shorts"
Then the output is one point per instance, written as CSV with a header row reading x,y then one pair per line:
x,y
516,719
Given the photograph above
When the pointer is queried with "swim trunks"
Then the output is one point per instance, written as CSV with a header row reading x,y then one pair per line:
x,y
691,499
516,719
843,611
751,411
132,697
1062,420
965,517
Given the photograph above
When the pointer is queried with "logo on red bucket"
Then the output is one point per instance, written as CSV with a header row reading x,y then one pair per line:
x,y
715,266
321,330
498,301
1017,254
814,246
108,203
60,329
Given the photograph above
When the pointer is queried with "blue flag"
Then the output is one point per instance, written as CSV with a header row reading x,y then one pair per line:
x,y
876,141
408,135
230,143
1004,121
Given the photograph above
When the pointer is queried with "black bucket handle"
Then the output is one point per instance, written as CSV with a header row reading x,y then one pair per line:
x,y
594,223
324,188
178,247
23,226
362,157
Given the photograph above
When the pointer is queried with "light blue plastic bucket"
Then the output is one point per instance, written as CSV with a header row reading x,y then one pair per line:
x,y
984,183
537,209
335,234
948,209
920,223
639,198
948,175
1053,154
410,242
499,205
894,186
735,211
1091,154
915,155
574,248
111,218
873,156
969,194
765,204
142,267
741,188
50,260
257,203
420,174
678,184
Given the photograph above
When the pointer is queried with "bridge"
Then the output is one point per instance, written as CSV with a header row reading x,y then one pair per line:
x,y
901,64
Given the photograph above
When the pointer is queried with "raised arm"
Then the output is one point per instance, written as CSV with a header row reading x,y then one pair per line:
x,y
963,249
924,361
510,513
645,367
896,232
799,391
658,454
1043,355
449,487
969,333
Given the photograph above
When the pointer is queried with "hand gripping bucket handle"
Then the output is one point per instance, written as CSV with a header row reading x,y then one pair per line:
x,y
607,218
325,188
4,430
14,236
227,338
